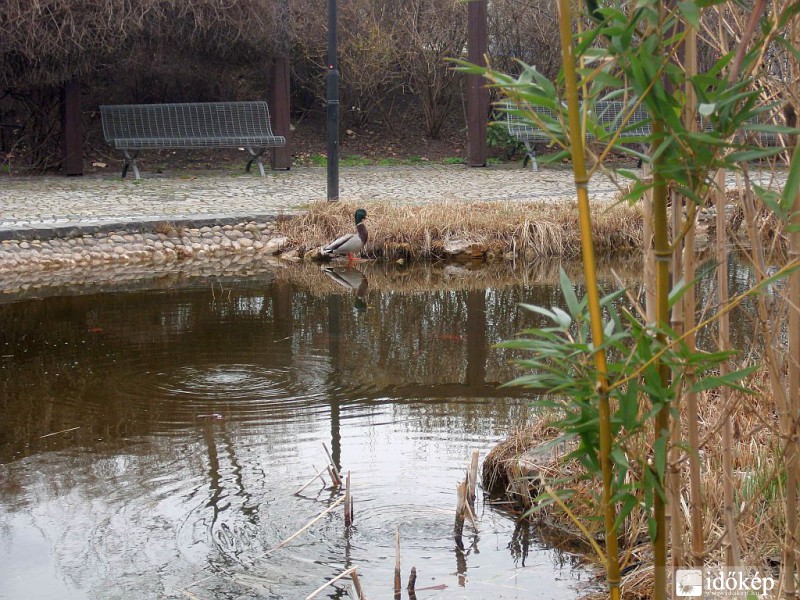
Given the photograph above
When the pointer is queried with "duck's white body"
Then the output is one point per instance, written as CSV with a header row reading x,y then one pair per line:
x,y
350,243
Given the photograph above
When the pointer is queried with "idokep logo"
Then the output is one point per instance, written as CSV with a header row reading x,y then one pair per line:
x,y
722,583
689,583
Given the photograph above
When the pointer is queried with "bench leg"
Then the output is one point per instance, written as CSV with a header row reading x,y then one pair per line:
x,y
530,155
255,156
130,161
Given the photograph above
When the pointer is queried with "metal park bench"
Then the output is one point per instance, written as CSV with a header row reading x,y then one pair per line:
x,y
135,127
609,116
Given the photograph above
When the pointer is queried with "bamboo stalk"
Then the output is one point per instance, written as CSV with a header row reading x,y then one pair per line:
x,y
593,295
649,262
690,307
663,256
341,575
794,377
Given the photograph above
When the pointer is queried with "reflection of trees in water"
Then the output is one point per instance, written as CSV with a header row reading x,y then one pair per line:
x,y
745,334
94,362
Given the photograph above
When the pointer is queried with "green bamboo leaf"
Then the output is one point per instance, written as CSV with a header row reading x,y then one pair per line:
x,y
629,407
705,109
628,503
792,185
690,12
730,380
569,293
539,310
619,457
564,320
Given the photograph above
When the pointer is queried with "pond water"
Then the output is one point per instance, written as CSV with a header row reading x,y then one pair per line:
x,y
154,434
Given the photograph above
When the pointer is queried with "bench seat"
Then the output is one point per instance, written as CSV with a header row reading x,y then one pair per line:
x,y
135,127
196,142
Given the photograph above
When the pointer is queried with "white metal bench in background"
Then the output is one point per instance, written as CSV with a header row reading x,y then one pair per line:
x,y
135,127
609,116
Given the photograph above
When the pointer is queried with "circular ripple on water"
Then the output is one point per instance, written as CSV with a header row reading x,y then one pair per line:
x,y
236,390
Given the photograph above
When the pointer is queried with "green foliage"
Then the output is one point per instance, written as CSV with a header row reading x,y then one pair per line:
x,y
497,136
561,367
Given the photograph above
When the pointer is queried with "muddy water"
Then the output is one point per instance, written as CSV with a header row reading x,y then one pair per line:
x,y
154,435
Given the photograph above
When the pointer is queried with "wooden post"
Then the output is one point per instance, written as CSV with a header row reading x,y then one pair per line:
x,y
71,128
280,111
477,92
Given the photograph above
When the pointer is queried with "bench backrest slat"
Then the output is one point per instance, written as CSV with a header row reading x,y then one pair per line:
x,y
186,120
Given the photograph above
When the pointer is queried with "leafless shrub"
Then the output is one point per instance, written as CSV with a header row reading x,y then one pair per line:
x,y
522,30
433,32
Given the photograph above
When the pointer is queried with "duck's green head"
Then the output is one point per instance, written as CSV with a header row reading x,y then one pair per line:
x,y
361,214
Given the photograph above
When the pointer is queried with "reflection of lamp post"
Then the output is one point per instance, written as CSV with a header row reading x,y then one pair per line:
x,y
333,106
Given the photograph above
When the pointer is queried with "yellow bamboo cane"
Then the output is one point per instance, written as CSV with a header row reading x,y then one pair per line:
x,y
593,297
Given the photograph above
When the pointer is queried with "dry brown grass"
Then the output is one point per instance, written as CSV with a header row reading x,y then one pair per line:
x,y
530,229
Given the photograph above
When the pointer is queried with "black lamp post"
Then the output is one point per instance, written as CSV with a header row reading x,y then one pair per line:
x,y
333,105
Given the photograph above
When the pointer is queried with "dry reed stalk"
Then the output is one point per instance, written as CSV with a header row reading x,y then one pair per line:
x,y
341,575
348,503
785,407
473,477
357,585
412,582
332,470
398,585
724,343
336,503
313,479
673,477
793,366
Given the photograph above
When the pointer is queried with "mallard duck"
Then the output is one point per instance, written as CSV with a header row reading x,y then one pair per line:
x,y
351,242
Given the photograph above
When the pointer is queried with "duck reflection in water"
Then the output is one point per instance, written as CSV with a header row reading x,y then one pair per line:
x,y
351,279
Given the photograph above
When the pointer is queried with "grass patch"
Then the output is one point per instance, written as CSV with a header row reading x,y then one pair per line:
x,y
529,229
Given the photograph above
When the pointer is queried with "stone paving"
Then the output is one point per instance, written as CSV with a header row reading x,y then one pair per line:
x,y
57,225
50,205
